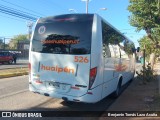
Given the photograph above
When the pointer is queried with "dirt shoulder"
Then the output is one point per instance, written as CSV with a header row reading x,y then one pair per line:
x,y
138,97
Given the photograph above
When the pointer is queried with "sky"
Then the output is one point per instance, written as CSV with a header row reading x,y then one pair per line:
x,y
116,14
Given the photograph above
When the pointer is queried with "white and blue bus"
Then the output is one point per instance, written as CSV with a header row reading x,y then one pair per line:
x,y
79,57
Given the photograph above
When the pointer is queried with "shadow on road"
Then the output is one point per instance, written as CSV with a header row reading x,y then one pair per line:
x,y
76,109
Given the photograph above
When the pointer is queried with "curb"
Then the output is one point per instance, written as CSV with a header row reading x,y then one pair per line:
x,y
13,74
7,75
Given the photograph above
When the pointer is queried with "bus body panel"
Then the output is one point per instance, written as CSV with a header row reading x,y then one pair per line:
x,y
68,76
96,51
87,98
60,74
116,66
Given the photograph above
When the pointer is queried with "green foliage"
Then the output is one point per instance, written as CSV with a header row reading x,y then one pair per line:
x,y
146,74
14,41
128,47
110,35
1,43
149,46
146,16
19,37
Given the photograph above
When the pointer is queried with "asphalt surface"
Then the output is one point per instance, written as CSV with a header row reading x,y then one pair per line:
x,y
14,95
11,70
19,64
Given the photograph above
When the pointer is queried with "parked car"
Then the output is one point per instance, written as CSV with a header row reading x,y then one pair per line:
x,y
6,57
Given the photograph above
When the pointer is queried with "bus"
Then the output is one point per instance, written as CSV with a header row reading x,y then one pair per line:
x,y
79,57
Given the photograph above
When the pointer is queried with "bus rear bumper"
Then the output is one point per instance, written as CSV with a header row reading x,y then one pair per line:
x,y
91,96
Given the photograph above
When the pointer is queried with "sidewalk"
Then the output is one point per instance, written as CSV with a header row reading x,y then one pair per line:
x,y
138,97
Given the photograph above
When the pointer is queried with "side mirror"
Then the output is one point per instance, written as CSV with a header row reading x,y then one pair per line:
x,y
138,49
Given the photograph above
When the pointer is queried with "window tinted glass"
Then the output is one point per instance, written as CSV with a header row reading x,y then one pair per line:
x,y
67,34
114,39
128,47
5,54
1,54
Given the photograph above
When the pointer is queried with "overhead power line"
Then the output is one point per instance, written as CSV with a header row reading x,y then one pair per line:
x,y
17,13
5,7
23,8
128,29
12,18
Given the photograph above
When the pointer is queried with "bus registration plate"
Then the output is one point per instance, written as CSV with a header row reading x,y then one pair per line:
x,y
61,87
54,84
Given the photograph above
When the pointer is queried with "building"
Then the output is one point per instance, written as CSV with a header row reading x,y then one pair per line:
x,y
23,46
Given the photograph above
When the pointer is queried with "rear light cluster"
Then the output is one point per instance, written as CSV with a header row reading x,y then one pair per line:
x,y
93,73
74,87
38,81
29,67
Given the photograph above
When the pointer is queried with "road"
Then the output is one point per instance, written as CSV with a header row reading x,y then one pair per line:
x,y
14,95
20,63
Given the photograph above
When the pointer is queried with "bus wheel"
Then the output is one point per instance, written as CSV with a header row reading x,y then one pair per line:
x,y
118,90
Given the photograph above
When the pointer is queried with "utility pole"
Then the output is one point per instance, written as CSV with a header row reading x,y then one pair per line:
x,y
144,57
87,2
87,6
29,25
158,5
4,43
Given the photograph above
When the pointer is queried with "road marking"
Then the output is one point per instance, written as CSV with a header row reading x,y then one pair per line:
x,y
14,93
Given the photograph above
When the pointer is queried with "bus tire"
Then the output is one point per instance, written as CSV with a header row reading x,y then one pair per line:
x,y
117,92
131,80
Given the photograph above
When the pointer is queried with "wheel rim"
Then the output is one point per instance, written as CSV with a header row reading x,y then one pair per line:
x,y
10,61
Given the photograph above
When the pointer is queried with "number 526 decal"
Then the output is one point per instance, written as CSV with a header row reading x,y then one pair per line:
x,y
81,59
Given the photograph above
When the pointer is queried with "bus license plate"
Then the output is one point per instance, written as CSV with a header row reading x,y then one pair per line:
x,y
60,87
55,84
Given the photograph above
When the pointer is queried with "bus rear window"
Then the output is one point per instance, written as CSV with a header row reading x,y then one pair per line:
x,y
70,34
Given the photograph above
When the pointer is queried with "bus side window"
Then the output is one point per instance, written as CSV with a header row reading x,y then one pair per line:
x,y
128,48
116,51
106,51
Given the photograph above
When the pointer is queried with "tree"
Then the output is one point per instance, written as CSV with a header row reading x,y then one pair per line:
x,y
146,43
1,44
14,41
146,16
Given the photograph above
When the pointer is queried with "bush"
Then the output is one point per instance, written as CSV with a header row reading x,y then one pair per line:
x,y
146,74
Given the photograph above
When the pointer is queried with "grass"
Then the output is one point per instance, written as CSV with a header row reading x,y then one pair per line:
x,y
13,72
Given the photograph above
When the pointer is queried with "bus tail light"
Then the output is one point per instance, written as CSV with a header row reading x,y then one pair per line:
x,y
90,93
29,67
74,87
38,81
93,73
